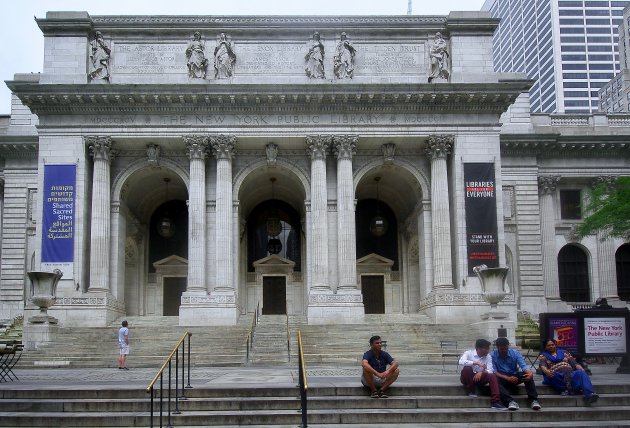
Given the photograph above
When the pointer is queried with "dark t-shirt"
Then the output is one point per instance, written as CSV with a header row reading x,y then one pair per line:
x,y
379,364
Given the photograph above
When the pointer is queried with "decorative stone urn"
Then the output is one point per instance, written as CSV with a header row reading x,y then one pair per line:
x,y
492,283
43,294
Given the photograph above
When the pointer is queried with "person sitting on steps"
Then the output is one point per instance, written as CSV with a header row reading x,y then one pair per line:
x,y
376,375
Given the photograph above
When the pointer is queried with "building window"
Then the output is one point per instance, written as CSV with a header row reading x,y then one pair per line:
x,y
622,260
573,274
570,204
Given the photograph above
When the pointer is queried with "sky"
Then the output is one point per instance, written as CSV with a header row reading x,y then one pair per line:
x,y
23,44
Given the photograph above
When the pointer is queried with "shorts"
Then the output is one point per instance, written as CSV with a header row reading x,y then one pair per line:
x,y
378,382
124,349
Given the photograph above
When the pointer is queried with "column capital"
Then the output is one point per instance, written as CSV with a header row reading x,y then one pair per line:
x,y
196,146
100,147
223,146
317,146
439,146
547,183
608,180
345,146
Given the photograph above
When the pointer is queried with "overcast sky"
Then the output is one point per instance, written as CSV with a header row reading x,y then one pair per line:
x,y
23,45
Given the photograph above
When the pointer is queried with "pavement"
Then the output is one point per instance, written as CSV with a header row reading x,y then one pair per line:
x,y
252,376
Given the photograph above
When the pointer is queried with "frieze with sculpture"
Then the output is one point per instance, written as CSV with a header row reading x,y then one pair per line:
x,y
439,57
100,54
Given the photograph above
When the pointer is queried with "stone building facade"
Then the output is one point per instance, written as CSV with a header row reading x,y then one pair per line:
x,y
325,167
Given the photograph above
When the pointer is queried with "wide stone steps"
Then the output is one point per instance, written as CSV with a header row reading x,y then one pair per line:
x,y
266,405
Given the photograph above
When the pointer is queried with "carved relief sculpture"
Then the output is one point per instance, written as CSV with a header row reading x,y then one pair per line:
x,y
196,58
99,58
224,58
344,58
315,58
271,150
438,54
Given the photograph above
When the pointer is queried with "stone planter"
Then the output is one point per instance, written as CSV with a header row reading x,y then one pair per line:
x,y
492,283
43,293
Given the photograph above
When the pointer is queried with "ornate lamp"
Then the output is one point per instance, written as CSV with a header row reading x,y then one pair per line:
x,y
165,224
378,225
274,225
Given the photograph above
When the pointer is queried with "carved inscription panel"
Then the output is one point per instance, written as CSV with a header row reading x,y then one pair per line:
x,y
271,58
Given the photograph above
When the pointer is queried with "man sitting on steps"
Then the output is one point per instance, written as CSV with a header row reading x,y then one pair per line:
x,y
376,375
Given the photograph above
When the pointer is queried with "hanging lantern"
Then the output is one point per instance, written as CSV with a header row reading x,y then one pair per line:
x,y
274,246
378,225
165,227
274,225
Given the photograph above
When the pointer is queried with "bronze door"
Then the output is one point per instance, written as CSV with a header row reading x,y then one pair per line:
x,y
172,295
274,295
373,290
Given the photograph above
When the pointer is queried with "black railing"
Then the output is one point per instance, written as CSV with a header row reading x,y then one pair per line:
x,y
288,333
249,340
184,344
303,384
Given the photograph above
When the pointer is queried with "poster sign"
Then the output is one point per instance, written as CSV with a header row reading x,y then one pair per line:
x,y
481,215
605,335
565,332
58,218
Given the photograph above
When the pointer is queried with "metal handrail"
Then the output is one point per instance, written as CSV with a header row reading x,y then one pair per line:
x,y
288,332
160,375
249,339
303,384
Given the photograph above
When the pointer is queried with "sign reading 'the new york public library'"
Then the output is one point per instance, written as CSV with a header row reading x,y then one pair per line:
x,y
481,215
58,218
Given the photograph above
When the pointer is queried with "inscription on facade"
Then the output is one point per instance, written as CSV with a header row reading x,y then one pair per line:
x,y
135,58
406,59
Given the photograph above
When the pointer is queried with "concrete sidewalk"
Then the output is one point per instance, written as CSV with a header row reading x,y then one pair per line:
x,y
107,378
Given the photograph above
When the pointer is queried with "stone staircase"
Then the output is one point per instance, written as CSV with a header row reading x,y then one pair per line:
x,y
270,341
151,341
278,405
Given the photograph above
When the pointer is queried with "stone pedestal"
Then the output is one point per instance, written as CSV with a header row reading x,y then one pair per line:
x,y
490,328
206,310
328,308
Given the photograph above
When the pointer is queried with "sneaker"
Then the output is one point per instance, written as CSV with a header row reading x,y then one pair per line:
x,y
374,394
536,405
564,393
513,405
381,394
592,399
472,395
497,405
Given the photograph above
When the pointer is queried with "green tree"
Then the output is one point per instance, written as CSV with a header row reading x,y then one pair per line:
x,y
608,210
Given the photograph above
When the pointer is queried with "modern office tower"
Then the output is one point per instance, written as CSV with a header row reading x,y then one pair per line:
x,y
614,95
568,47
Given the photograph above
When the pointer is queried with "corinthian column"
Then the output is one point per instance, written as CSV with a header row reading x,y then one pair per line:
x,y
606,254
196,147
438,149
102,154
223,147
547,188
317,148
344,147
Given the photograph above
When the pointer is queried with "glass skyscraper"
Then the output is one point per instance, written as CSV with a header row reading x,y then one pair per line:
x,y
568,47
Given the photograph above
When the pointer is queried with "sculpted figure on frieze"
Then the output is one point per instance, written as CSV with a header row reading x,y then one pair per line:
x,y
438,54
224,58
315,58
344,58
99,58
196,58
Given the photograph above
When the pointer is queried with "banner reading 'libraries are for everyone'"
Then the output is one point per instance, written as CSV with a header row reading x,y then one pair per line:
x,y
481,215
58,218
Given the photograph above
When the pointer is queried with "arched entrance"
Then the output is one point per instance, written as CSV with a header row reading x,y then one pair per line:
x,y
573,274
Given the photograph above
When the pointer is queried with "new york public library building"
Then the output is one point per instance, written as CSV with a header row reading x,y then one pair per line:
x,y
324,167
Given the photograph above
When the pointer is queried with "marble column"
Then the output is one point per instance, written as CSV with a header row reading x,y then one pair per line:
x,y
196,147
344,147
547,188
317,148
606,265
224,149
102,154
438,149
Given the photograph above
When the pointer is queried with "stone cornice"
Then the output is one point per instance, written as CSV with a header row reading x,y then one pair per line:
x,y
557,145
115,98
18,150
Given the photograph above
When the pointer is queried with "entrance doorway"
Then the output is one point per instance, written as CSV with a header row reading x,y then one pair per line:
x,y
274,295
172,295
373,290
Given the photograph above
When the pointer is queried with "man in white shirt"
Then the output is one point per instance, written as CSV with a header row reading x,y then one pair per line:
x,y
478,371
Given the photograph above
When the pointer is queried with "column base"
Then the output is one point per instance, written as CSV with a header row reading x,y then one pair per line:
x,y
91,309
454,307
207,310
346,308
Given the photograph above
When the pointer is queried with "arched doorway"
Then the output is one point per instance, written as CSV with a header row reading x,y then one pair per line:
x,y
622,260
573,274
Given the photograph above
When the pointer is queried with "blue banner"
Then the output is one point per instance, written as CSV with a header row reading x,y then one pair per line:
x,y
58,207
